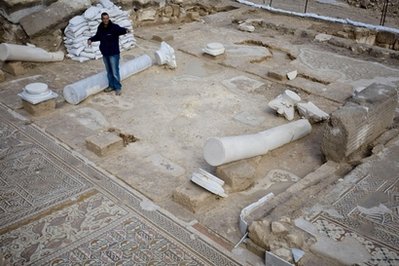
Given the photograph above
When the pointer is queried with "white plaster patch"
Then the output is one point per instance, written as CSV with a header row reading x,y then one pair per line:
x,y
148,205
89,118
242,83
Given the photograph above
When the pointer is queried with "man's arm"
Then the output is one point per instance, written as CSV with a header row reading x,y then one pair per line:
x,y
95,38
120,30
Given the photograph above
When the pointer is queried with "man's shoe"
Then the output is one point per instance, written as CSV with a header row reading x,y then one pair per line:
x,y
108,89
118,92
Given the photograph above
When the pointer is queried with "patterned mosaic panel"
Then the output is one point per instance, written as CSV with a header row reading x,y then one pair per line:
x,y
380,254
129,243
49,215
45,236
30,178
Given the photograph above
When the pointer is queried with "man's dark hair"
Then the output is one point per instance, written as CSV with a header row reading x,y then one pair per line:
x,y
104,14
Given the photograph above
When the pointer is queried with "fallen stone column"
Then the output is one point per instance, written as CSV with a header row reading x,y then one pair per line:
x,y
218,151
15,52
361,120
80,90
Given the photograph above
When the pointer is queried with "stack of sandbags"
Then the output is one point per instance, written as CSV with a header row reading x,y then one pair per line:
x,y
81,28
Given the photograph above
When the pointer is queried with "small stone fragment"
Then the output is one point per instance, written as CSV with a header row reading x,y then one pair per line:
x,y
279,228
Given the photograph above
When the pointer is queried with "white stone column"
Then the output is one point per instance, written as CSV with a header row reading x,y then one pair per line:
x,y
80,90
14,52
218,151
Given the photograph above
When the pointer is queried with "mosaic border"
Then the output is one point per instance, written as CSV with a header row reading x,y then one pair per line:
x,y
198,246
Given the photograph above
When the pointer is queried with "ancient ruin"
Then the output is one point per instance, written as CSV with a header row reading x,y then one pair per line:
x,y
249,132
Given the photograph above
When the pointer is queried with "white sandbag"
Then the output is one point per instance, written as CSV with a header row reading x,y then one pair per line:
x,y
92,13
77,20
88,55
106,3
76,51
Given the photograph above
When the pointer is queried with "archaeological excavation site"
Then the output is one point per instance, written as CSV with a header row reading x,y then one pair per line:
x,y
199,132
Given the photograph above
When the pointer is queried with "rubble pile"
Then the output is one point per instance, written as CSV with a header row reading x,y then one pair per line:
x,y
82,27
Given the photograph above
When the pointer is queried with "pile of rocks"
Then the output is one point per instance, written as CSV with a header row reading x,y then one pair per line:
x,y
82,27
393,7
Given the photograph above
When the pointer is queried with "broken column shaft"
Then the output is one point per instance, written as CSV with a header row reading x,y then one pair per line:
x,y
14,52
218,151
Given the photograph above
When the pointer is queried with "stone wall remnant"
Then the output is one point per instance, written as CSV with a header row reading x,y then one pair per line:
x,y
361,120
52,17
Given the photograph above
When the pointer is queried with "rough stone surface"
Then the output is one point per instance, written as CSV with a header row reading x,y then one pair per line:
x,y
2,76
283,253
259,233
40,108
279,228
193,197
54,17
162,37
366,36
295,240
238,175
359,121
246,27
146,15
385,37
103,144
14,68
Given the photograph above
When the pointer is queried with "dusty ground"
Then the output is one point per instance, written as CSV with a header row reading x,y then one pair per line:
x,y
173,112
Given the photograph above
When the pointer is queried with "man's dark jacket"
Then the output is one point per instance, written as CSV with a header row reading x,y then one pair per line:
x,y
109,38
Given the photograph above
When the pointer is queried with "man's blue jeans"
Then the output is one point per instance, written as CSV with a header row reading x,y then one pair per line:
x,y
111,63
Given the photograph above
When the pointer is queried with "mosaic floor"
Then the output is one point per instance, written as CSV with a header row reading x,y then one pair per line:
x,y
57,209
368,209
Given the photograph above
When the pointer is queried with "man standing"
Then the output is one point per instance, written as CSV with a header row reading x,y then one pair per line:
x,y
108,35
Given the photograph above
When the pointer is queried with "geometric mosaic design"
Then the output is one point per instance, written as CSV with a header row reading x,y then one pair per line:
x,y
368,210
380,254
56,209
30,180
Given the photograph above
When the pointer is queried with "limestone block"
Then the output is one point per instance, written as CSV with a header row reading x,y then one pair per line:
x,y
238,175
146,14
283,253
14,68
278,228
396,45
40,108
53,17
168,11
104,144
2,76
385,37
259,233
176,10
363,35
246,27
193,197
281,73
322,37
193,15
295,240
361,120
